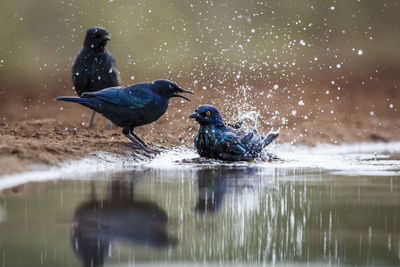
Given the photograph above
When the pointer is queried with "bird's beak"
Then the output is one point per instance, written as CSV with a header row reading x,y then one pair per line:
x,y
194,115
107,37
183,91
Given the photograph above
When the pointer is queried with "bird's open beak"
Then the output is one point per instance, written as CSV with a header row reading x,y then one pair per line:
x,y
194,115
181,96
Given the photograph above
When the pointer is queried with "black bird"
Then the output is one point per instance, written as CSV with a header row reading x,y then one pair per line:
x,y
94,68
131,106
215,140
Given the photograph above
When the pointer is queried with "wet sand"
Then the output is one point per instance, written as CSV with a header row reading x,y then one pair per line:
x,y
34,129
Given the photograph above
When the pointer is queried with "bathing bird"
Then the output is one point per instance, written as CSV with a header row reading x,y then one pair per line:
x,y
131,106
94,67
215,140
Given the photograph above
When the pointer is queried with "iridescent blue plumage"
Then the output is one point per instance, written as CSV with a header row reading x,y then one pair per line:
x,y
215,140
131,106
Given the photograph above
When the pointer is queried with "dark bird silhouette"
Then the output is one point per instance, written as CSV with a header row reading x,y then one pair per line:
x,y
214,184
94,67
215,140
118,218
212,188
131,106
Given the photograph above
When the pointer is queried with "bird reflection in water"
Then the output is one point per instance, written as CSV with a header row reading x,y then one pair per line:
x,y
214,184
99,223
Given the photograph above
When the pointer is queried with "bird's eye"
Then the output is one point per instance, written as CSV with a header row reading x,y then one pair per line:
x,y
208,113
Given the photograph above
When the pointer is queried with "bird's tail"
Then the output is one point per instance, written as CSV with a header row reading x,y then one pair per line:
x,y
79,100
270,137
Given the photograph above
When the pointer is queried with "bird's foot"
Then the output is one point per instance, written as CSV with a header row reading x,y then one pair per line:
x,y
146,149
156,150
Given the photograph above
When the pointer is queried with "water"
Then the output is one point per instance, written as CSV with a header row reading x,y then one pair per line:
x,y
335,205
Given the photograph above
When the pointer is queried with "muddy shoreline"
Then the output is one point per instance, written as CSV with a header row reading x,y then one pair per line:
x,y
48,141
36,129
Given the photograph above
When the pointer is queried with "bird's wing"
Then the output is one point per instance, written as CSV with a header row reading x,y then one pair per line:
x,y
133,97
233,145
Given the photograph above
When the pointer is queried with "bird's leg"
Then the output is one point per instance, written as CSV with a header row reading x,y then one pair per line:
x,y
137,138
109,125
125,131
142,142
91,119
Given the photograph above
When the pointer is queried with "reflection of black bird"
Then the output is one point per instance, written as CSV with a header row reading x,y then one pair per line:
x,y
94,68
215,140
214,184
97,224
212,188
131,106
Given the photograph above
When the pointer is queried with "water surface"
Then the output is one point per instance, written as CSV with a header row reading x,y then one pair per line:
x,y
336,206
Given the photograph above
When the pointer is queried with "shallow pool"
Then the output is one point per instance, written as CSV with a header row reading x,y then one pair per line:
x,y
337,205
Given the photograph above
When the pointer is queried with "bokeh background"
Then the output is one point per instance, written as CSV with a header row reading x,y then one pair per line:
x,y
319,70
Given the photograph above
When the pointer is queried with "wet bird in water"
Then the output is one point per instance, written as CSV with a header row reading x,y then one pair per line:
x,y
215,140
131,106
94,68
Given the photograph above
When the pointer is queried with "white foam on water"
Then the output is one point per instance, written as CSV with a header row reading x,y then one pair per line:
x,y
371,159
171,158
366,159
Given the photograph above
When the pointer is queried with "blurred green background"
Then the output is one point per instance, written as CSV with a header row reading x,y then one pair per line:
x,y
198,39
219,49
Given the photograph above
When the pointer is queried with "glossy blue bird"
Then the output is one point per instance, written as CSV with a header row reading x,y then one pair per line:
x,y
215,140
131,106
